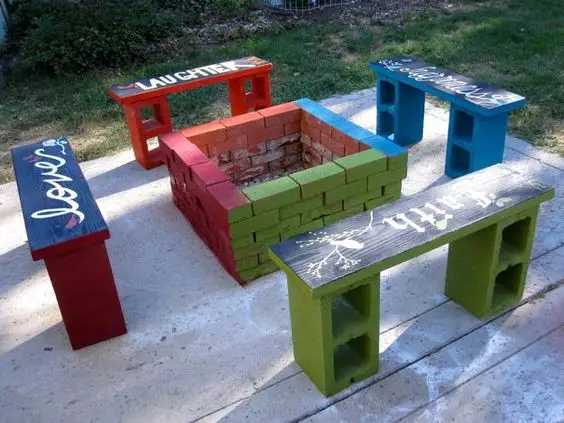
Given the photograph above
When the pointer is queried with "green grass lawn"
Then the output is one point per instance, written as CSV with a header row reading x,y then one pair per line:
x,y
513,44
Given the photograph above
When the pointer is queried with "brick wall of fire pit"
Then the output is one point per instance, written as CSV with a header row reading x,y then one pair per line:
x,y
250,181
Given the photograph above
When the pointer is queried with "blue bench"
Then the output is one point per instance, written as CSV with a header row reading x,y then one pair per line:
x,y
478,113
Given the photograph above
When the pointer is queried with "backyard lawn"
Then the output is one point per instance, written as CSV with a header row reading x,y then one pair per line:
x,y
514,44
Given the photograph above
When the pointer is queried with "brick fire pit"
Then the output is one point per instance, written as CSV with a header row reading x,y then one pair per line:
x,y
250,181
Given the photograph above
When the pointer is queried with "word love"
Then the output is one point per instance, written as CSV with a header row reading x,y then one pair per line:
x,y
197,73
57,191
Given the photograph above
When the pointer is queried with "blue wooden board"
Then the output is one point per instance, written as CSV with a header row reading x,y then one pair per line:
x,y
335,251
463,91
56,201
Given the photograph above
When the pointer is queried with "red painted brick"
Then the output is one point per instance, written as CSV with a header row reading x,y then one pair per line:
x,y
208,133
337,148
326,140
252,172
208,173
224,197
325,128
314,134
293,148
292,128
281,114
267,157
322,150
243,124
251,150
338,135
349,151
363,147
231,144
265,134
236,166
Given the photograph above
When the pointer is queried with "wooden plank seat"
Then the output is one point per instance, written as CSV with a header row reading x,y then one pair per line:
x,y
151,93
66,229
489,219
478,113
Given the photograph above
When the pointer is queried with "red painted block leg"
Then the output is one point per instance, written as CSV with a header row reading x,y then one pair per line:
x,y
259,97
87,295
141,130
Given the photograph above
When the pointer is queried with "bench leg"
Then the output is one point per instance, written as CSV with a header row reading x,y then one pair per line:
x,y
474,141
87,295
140,131
257,98
487,270
336,337
400,112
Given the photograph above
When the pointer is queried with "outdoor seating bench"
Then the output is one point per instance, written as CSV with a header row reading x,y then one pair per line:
x,y
478,113
66,229
151,94
489,219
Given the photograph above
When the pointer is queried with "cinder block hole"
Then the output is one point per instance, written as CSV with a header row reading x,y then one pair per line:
x,y
386,124
515,235
147,113
460,159
463,125
350,309
248,86
351,358
387,93
506,289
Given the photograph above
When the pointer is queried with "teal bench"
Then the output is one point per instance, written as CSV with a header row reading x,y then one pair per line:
x,y
489,219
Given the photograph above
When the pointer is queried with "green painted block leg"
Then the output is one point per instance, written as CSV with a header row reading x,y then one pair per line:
x,y
487,270
336,337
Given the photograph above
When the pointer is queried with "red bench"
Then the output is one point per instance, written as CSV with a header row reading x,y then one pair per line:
x,y
151,94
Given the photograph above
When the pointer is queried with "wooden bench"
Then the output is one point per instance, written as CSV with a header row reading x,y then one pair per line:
x,y
65,228
151,94
478,113
489,219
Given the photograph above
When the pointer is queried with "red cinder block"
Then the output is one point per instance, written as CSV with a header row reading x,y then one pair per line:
x,y
292,128
265,134
249,151
281,114
243,124
224,197
236,166
205,174
206,134
267,157
293,148
251,173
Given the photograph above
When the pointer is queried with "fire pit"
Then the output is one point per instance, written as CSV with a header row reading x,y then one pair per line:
x,y
254,180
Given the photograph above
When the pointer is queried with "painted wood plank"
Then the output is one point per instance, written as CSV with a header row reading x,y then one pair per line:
x,y
458,89
56,201
185,79
352,244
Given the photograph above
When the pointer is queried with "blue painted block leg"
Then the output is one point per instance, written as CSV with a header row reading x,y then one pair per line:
x,y
474,141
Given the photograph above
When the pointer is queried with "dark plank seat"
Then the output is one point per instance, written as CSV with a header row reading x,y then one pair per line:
x,y
478,113
66,229
151,93
489,219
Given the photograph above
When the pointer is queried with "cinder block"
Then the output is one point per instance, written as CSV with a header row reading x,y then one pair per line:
x,y
246,263
269,156
205,174
362,198
206,134
283,226
281,114
254,223
327,220
301,207
273,194
228,202
364,164
319,179
379,180
243,124
346,191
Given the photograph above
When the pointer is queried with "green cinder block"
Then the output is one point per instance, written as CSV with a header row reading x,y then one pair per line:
x,y
341,215
362,198
281,227
308,227
301,206
319,179
240,213
392,188
379,180
346,191
255,223
247,263
243,242
361,165
272,194
255,249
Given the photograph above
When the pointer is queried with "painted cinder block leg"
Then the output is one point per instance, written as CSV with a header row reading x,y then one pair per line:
x,y
87,295
487,270
336,337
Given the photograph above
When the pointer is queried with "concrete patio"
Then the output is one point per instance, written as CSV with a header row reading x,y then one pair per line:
x,y
202,348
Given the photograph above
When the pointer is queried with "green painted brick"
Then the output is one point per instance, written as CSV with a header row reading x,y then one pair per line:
x,y
327,220
257,272
281,227
399,161
240,213
308,227
245,227
272,194
323,211
243,242
392,188
319,179
264,258
333,208
361,165
301,206
247,263
378,181
255,249
346,191
377,202
362,198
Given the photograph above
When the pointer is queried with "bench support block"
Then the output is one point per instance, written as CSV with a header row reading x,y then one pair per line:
x,y
259,96
87,295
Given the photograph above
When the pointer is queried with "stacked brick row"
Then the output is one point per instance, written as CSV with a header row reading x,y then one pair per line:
x,y
238,226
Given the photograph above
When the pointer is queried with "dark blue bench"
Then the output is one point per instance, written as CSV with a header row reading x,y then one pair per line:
x,y
66,229
478,113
